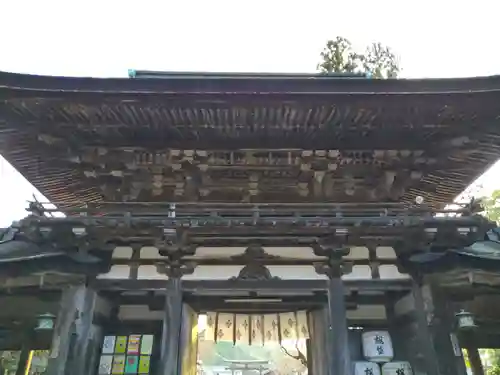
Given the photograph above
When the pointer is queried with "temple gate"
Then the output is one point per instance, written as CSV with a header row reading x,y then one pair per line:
x,y
309,207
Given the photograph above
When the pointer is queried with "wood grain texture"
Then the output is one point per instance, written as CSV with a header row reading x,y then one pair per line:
x,y
171,329
248,138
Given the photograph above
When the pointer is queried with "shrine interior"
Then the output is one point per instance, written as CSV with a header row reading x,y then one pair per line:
x,y
202,223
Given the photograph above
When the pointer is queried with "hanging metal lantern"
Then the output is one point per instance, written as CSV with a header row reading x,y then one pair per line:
x,y
465,320
45,322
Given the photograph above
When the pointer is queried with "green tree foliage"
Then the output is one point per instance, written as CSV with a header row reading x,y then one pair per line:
x,y
494,358
9,361
377,60
491,206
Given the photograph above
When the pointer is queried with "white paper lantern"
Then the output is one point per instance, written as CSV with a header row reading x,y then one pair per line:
x,y
377,346
366,368
397,368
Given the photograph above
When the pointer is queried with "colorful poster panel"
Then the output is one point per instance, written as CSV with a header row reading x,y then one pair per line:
x,y
121,345
118,365
126,355
108,345
105,364
147,344
144,362
132,364
134,342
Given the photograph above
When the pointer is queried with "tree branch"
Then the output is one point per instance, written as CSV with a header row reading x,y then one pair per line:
x,y
299,357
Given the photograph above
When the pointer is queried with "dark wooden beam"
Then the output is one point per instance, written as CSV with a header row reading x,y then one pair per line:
x,y
235,261
366,324
26,307
245,221
255,304
218,302
16,340
117,328
253,285
482,339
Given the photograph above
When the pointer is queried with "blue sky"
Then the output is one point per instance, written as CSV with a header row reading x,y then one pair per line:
x,y
106,38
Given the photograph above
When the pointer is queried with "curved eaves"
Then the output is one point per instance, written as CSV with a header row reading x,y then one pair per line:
x,y
240,83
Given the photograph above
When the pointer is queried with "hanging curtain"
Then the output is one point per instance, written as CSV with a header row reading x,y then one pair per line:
x,y
257,329
189,341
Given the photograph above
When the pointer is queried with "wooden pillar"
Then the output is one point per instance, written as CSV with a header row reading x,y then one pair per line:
x,y
436,335
423,333
26,354
476,364
338,338
84,329
174,268
72,332
398,330
189,341
340,354
24,360
319,354
171,330
309,355
469,340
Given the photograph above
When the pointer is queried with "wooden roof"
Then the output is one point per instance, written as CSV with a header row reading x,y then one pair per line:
x,y
249,138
